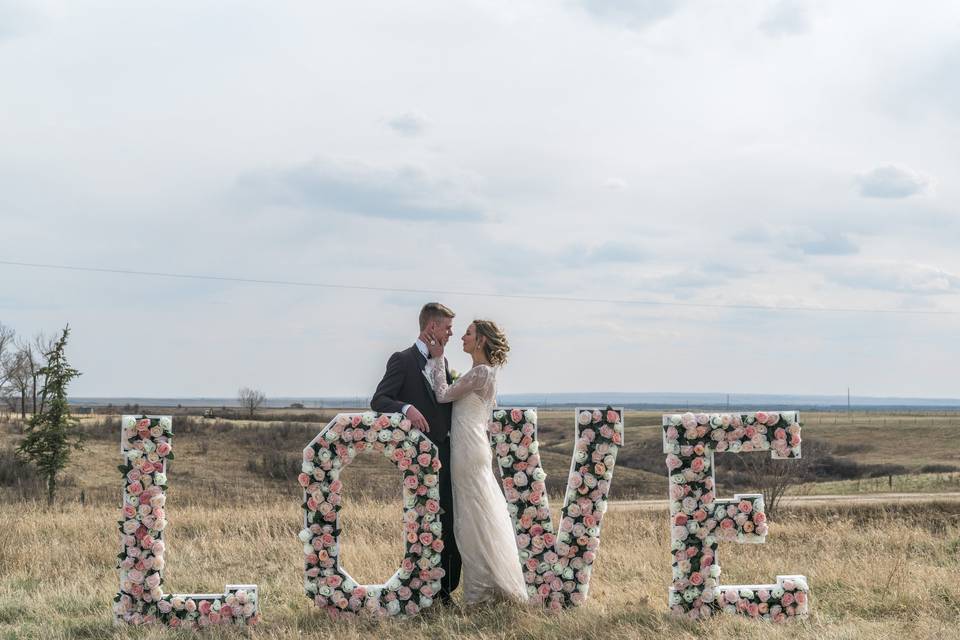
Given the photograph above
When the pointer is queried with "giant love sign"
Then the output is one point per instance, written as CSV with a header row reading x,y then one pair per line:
x,y
557,562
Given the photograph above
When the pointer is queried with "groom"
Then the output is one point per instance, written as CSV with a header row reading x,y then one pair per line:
x,y
405,388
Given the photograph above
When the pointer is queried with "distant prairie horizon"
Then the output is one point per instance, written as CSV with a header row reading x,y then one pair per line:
x,y
649,400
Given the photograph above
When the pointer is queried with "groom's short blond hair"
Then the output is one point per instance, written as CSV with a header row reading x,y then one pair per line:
x,y
434,311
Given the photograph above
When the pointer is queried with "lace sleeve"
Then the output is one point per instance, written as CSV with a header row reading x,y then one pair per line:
x,y
476,379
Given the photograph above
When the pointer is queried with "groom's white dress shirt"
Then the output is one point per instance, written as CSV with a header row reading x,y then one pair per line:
x,y
422,346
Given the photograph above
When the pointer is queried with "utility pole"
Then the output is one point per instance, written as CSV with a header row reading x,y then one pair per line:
x,y
728,402
848,399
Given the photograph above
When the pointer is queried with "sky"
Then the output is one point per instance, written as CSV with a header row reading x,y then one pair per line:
x,y
757,153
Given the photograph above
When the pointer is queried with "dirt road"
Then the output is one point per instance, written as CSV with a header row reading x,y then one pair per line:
x,y
862,498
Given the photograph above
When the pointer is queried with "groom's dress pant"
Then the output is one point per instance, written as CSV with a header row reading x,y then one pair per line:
x,y
450,556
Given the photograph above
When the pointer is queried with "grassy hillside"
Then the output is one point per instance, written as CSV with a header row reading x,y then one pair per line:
x,y
856,452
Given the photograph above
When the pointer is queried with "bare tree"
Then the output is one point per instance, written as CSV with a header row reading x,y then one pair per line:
x,y
19,377
774,477
7,340
251,399
7,337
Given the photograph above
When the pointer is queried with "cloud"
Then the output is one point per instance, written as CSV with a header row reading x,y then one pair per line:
x,y
827,244
633,14
615,184
898,276
893,181
786,18
15,18
403,193
408,124
605,253
809,240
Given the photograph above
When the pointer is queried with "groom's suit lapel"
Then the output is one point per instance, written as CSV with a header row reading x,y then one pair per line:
x,y
421,362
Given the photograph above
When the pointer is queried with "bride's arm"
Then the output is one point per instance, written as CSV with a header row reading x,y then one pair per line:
x,y
472,380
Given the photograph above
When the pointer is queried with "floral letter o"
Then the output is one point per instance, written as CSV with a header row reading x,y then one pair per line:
x,y
417,580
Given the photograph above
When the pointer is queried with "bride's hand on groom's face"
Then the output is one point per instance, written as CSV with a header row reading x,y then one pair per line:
x,y
434,344
435,348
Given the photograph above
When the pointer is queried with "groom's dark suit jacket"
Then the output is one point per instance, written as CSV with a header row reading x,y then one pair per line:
x,y
404,383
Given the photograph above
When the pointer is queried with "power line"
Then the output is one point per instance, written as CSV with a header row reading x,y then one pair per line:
x,y
481,294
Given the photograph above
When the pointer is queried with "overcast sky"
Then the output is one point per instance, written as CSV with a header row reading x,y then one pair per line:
x,y
761,153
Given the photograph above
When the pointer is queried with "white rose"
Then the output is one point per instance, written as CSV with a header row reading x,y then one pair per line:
x,y
368,418
530,415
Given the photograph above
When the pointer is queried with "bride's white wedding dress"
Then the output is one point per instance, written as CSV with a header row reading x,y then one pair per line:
x,y
482,524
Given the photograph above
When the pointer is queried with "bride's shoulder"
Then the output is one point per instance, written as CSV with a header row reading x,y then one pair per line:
x,y
484,370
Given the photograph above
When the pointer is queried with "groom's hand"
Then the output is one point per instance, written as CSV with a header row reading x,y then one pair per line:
x,y
416,419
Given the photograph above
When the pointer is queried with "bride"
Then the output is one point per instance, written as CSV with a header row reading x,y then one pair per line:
x,y
483,528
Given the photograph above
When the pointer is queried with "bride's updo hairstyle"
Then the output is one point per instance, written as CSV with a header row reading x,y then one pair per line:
x,y
496,345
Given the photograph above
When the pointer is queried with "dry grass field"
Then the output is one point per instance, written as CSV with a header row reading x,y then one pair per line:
x,y
873,575
874,572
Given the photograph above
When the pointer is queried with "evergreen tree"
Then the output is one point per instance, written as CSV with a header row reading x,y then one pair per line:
x,y
51,433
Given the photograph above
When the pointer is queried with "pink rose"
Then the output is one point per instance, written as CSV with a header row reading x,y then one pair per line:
x,y
516,415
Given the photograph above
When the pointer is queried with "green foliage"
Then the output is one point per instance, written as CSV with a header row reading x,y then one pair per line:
x,y
52,433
